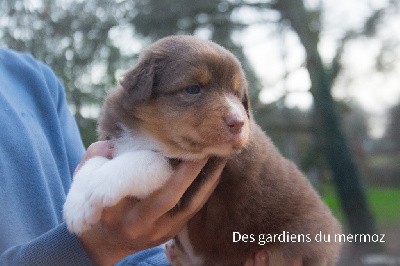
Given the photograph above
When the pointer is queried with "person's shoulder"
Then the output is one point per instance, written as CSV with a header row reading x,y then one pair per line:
x,y
24,64
12,57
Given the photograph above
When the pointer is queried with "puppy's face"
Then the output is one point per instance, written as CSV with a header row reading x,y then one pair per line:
x,y
190,96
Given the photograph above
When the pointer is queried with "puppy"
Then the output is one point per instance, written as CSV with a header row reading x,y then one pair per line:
x,y
187,99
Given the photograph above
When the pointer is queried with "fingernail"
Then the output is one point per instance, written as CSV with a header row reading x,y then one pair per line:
x,y
110,144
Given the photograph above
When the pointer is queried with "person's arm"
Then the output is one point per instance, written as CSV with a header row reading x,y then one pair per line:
x,y
35,84
56,247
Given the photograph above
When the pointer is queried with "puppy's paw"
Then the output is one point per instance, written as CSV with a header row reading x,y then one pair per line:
x,y
103,183
83,210
79,213
105,190
134,174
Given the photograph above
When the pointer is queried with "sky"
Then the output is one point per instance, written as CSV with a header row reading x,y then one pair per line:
x,y
359,83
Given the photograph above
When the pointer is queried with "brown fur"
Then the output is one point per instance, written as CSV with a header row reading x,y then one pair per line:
x,y
260,192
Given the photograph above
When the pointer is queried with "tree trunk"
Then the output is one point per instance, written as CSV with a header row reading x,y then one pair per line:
x,y
345,171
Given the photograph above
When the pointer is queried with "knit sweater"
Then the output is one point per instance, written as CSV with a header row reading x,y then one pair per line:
x,y
40,147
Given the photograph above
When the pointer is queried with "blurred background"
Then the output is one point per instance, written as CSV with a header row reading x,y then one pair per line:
x,y
324,78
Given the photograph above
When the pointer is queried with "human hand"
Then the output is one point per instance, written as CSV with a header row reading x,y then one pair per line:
x,y
132,225
104,148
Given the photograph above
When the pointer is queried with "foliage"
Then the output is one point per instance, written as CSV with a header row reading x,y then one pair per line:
x,y
77,49
384,204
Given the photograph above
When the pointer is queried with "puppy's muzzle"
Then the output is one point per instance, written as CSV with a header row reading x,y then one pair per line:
x,y
234,123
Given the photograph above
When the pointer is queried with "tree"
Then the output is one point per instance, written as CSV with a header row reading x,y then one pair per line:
x,y
345,171
393,129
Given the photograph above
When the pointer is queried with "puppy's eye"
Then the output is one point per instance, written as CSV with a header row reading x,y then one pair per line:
x,y
195,89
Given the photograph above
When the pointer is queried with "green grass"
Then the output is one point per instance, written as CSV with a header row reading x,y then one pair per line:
x,y
384,203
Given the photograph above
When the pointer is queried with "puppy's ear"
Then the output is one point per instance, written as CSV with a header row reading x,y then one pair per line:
x,y
138,82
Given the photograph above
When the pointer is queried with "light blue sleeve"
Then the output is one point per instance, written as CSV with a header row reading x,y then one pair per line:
x,y
56,247
47,148
151,257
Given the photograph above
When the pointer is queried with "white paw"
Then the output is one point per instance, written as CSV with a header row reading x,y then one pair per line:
x,y
84,209
79,213
103,183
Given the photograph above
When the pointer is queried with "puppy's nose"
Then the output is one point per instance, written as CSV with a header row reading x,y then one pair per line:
x,y
234,123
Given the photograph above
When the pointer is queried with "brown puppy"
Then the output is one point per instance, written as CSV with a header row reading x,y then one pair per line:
x,y
187,99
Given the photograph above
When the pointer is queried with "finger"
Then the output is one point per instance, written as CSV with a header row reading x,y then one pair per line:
x,y
161,201
167,226
100,148
177,221
111,216
103,148
182,179
203,193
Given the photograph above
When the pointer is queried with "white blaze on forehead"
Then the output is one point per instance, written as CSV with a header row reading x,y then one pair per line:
x,y
235,107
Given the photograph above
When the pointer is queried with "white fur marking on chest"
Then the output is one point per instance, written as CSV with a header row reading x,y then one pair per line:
x,y
133,141
183,237
135,171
